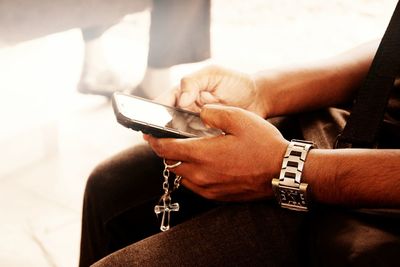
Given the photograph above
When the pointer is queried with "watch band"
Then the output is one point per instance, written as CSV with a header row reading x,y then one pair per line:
x,y
290,192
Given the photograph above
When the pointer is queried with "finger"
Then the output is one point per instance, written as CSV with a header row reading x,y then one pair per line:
x,y
205,192
190,89
194,179
192,85
174,149
208,98
228,119
193,107
192,172
168,98
145,137
222,192
210,186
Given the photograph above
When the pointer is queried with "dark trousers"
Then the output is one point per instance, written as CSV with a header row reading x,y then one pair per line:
x,y
118,213
119,203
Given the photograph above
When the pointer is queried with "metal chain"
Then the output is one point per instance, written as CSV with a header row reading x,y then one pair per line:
x,y
165,205
166,180
177,181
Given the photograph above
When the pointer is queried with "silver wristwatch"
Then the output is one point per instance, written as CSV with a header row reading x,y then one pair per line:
x,y
290,192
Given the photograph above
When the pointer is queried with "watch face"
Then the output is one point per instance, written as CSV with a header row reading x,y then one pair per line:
x,y
292,197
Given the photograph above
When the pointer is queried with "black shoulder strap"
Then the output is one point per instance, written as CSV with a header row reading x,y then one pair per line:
x,y
367,113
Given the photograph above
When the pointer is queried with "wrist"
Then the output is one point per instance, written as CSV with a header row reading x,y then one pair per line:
x,y
289,189
267,87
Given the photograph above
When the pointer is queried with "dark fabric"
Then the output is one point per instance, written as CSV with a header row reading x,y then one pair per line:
x,y
322,126
252,234
261,234
350,238
393,108
110,189
179,32
389,136
369,108
119,201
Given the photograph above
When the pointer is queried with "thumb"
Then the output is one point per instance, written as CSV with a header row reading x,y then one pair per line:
x,y
221,117
168,98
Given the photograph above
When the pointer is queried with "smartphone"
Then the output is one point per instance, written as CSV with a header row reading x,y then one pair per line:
x,y
158,120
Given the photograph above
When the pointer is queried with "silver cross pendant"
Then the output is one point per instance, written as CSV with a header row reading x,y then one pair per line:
x,y
166,209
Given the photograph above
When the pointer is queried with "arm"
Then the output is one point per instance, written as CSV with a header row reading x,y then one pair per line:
x,y
354,177
315,85
240,165
278,92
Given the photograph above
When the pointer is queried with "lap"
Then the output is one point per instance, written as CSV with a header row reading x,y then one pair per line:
x,y
261,234
229,235
125,180
350,238
121,194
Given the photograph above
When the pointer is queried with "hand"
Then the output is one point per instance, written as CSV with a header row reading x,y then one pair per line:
x,y
237,166
217,85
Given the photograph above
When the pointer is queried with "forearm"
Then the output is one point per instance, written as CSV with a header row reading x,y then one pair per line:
x,y
354,177
316,85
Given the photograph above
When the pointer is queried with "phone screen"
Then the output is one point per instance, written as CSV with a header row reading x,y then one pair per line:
x,y
151,113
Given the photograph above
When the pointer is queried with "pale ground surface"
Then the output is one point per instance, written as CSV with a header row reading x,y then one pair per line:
x,y
51,137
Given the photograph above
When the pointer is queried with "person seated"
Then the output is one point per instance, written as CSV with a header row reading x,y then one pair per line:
x,y
227,214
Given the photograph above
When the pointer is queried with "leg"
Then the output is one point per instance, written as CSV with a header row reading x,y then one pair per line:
x,y
340,238
119,201
253,234
261,234
97,77
179,33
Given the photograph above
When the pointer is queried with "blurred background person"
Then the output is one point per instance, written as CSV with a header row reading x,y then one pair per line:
x,y
179,33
